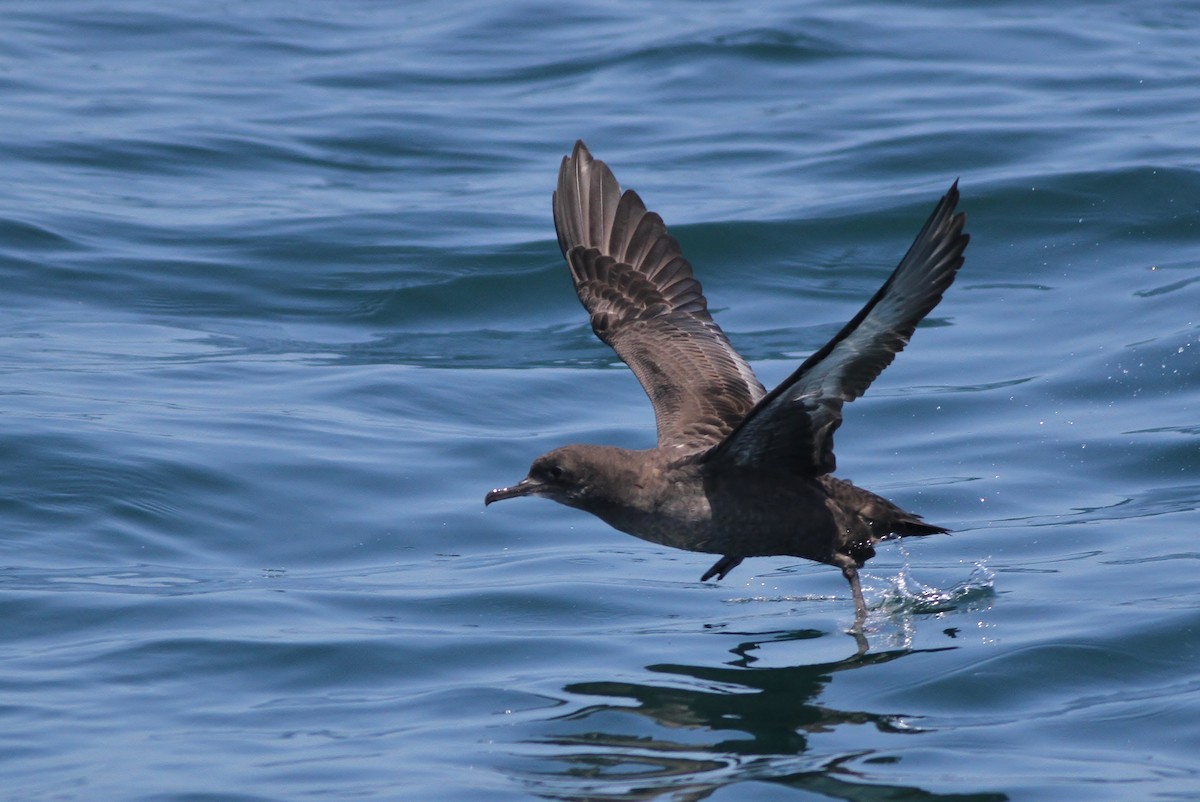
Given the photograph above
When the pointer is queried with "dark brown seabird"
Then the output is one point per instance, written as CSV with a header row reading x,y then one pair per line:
x,y
737,471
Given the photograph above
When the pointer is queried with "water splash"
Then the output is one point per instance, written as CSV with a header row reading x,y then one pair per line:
x,y
907,594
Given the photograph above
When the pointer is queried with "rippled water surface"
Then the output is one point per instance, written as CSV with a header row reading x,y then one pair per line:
x,y
282,300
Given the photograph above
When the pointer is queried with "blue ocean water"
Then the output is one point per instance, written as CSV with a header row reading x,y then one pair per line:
x,y
282,300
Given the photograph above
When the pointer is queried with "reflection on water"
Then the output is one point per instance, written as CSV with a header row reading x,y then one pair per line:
x,y
703,728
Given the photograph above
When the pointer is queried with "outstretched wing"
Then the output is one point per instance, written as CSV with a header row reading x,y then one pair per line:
x,y
644,302
791,428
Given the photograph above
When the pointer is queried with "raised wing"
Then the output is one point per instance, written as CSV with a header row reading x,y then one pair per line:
x,y
791,428
644,302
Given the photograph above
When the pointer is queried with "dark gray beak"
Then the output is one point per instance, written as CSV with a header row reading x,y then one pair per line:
x,y
522,488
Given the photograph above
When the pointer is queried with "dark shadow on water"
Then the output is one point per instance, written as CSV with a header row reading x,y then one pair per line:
x,y
704,728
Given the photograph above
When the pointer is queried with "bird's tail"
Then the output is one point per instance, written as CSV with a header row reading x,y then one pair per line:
x,y
909,524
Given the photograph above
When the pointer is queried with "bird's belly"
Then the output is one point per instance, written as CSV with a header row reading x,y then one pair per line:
x,y
750,519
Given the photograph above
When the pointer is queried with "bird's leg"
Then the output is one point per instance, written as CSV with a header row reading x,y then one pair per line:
x,y
860,605
722,567
850,571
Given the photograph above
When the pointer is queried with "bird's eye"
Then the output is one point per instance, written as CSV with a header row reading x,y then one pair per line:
x,y
554,472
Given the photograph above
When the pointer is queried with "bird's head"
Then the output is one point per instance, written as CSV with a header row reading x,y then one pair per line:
x,y
571,475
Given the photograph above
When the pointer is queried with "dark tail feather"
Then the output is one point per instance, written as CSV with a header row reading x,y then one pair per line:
x,y
913,525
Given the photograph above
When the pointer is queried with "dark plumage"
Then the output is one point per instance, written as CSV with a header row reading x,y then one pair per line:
x,y
737,471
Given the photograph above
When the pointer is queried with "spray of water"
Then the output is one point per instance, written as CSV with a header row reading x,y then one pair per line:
x,y
905,594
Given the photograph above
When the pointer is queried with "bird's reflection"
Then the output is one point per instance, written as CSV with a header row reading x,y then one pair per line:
x,y
703,728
